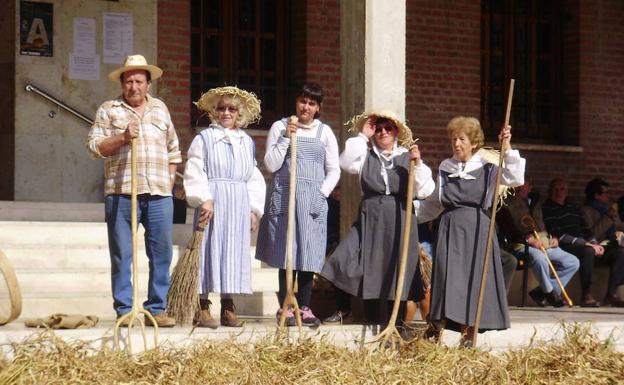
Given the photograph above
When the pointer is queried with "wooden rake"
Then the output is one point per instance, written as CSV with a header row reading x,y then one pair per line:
x,y
290,299
495,200
391,330
132,316
15,296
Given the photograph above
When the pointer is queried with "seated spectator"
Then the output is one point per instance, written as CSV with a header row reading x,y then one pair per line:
x,y
605,226
520,224
564,220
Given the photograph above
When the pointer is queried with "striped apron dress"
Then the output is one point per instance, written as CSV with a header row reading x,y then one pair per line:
x,y
225,263
310,210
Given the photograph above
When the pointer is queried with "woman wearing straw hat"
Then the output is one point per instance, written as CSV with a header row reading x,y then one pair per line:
x,y
465,191
223,182
365,263
317,174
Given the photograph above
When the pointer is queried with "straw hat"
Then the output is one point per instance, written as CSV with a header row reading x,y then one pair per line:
x,y
249,103
135,62
405,137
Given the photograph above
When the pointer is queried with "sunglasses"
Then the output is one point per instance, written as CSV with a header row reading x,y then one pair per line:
x,y
384,127
230,109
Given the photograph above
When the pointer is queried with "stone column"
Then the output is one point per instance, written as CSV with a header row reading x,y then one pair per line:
x,y
372,45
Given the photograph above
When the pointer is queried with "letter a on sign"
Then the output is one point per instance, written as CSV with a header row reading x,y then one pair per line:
x,y
36,33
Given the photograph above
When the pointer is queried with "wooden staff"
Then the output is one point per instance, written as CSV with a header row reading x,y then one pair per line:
x,y
391,329
490,236
15,295
137,308
530,223
290,299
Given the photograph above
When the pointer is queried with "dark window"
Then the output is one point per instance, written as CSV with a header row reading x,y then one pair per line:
x,y
241,43
521,39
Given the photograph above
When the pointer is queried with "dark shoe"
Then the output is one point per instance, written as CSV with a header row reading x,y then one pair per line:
x,y
162,320
204,318
538,296
614,301
308,318
290,317
554,300
434,331
339,317
228,314
589,301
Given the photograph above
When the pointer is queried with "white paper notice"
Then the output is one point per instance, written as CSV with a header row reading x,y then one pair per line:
x,y
84,67
84,36
117,35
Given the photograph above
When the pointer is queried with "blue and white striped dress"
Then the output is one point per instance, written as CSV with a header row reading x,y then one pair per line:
x,y
225,266
310,213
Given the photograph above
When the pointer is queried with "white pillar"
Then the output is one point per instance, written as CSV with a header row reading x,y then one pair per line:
x,y
385,55
372,50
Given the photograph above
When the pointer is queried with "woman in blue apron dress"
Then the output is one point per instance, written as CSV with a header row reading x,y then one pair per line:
x,y
223,182
317,175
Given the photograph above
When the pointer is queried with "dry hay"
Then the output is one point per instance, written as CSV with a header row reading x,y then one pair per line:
x,y
580,358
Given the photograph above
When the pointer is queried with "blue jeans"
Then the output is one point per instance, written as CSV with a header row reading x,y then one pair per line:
x,y
565,264
155,213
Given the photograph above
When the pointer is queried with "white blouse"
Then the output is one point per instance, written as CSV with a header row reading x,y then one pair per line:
x,y
195,185
512,176
277,145
355,152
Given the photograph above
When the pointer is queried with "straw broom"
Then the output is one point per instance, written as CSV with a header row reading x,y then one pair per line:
x,y
183,297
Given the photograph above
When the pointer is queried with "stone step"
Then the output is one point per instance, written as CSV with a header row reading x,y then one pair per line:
x,y
58,212
94,281
72,233
257,304
81,256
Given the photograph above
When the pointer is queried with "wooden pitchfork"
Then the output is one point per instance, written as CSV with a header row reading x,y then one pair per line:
x,y
391,329
137,308
290,299
530,223
495,200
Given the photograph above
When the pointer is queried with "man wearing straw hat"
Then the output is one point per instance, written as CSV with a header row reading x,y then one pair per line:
x,y
136,114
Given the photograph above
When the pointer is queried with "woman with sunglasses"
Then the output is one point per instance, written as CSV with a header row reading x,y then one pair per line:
x,y
365,263
221,179
317,175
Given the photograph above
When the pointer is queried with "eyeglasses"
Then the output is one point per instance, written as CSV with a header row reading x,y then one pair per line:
x,y
230,109
383,127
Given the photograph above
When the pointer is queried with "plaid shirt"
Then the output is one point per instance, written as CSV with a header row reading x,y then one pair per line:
x,y
157,147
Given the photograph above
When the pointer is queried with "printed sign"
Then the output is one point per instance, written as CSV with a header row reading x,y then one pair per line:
x,y
36,30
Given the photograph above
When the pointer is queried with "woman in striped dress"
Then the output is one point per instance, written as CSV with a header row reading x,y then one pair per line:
x,y
223,183
317,174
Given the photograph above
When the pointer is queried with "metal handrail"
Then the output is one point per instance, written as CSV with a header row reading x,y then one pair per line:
x,y
31,88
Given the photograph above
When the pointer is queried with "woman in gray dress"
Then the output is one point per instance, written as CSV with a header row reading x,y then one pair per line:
x,y
466,184
365,263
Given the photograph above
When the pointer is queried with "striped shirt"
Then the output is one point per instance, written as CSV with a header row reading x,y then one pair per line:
x,y
157,147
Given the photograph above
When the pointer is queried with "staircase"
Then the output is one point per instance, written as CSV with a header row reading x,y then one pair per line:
x,y
60,254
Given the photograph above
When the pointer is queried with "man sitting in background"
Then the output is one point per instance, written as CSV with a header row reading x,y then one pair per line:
x,y
520,224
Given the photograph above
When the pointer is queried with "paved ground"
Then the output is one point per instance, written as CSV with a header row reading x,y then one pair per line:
x,y
527,324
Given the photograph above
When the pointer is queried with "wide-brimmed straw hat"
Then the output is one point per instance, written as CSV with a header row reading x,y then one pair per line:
x,y
135,62
249,102
404,137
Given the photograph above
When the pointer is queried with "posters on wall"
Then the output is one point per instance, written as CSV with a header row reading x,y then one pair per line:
x,y
84,63
36,28
117,37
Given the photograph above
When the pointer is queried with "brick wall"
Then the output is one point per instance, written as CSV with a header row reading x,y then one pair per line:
x,y
323,54
593,93
443,70
174,57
